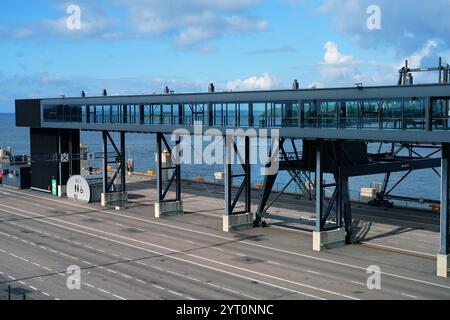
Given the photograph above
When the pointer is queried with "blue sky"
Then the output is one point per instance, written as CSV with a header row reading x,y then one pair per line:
x,y
140,46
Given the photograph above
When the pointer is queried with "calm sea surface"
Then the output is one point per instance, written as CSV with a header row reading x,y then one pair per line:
x,y
140,147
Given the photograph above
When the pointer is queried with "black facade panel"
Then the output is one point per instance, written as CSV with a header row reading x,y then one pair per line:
x,y
356,151
44,144
44,150
28,113
25,178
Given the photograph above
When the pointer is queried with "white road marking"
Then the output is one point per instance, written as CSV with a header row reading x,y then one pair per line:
x,y
60,274
183,260
398,249
330,261
360,283
231,239
158,287
104,291
157,268
193,279
409,296
313,272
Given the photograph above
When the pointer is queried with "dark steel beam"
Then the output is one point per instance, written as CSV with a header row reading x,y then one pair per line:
x,y
400,166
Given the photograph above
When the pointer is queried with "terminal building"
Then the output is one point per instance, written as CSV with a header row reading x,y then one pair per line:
x,y
335,126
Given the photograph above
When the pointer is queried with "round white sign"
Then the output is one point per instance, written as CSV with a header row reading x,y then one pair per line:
x,y
78,189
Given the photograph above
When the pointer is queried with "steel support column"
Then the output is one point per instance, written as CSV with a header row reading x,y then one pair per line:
x,y
123,184
347,210
237,219
228,176
319,188
445,198
105,162
113,195
162,190
248,177
245,187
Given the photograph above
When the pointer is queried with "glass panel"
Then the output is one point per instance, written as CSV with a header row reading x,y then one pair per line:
x,y
370,114
327,114
218,114
167,114
415,114
156,114
392,114
243,115
259,115
310,114
231,114
291,114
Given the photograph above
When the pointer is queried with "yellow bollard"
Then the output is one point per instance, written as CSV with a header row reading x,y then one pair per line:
x,y
200,179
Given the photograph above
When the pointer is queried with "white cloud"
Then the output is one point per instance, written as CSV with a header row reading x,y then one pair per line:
x,y
263,82
405,24
190,23
333,56
338,69
94,23
336,66
415,59
193,22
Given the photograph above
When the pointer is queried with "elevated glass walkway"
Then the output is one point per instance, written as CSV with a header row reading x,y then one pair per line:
x,y
394,112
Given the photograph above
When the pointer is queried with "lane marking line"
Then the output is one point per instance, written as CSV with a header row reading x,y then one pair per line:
x,y
230,239
177,252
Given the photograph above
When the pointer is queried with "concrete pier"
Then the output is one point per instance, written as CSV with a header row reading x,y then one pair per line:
x,y
328,239
238,222
168,209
